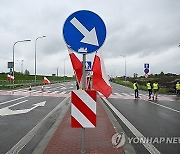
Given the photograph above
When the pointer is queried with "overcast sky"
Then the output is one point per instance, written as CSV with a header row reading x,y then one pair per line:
x,y
145,31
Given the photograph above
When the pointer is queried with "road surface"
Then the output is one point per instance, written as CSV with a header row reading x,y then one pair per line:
x,y
157,119
22,110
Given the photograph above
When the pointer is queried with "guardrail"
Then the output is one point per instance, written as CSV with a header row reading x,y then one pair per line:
x,y
5,84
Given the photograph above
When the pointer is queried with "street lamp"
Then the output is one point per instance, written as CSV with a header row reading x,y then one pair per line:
x,y
124,66
35,56
13,55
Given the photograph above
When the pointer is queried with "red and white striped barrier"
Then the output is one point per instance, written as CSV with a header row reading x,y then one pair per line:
x,y
83,109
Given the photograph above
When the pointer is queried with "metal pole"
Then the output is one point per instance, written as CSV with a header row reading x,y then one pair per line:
x,y
83,87
13,57
57,71
35,62
125,67
35,58
13,62
64,70
22,66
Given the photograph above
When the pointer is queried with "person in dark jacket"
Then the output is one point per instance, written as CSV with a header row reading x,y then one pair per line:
x,y
77,85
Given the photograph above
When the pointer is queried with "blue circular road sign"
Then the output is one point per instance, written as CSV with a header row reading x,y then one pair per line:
x,y
146,70
84,31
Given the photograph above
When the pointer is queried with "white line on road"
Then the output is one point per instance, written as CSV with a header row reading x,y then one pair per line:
x,y
17,103
118,94
63,92
54,92
13,100
151,148
25,140
164,106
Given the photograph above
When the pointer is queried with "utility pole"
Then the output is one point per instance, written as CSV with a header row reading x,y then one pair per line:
x,y
22,67
57,71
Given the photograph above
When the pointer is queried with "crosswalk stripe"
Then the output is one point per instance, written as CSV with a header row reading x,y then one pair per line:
x,y
54,92
63,92
59,93
125,94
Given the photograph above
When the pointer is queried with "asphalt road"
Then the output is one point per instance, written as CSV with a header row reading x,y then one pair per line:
x,y
19,114
156,119
21,110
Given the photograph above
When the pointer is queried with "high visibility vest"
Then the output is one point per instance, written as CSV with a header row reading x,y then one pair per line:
x,y
134,86
177,86
155,86
148,86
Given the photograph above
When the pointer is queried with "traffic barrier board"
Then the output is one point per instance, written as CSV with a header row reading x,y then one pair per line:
x,y
83,109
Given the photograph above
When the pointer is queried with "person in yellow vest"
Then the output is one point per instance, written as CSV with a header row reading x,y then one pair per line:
x,y
135,87
155,89
178,88
149,87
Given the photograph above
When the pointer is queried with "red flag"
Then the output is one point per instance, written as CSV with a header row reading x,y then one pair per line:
x,y
100,81
10,77
77,65
46,81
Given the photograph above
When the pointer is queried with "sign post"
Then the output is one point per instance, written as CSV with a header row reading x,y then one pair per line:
x,y
84,32
146,70
83,151
10,66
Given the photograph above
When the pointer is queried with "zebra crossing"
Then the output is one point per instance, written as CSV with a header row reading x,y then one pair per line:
x,y
142,97
54,92
26,92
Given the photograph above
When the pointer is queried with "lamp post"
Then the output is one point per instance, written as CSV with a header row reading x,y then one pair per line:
x,y
124,66
35,56
13,55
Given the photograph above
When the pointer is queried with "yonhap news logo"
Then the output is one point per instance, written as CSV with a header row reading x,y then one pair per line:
x,y
118,140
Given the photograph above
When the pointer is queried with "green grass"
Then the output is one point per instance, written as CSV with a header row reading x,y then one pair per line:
x,y
141,87
22,80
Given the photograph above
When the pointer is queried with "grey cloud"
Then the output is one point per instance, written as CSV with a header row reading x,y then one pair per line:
x,y
134,28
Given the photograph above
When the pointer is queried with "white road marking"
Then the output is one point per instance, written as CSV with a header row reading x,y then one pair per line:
x,y
125,94
118,94
13,100
151,148
54,92
7,111
164,106
25,140
63,92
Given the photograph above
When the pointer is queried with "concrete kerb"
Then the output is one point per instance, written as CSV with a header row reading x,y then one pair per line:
x,y
44,142
128,148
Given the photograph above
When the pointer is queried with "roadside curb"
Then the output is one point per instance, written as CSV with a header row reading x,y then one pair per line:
x,y
64,106
128,148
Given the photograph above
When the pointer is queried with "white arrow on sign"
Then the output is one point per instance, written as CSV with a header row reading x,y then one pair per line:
x,y
6,111
89,37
